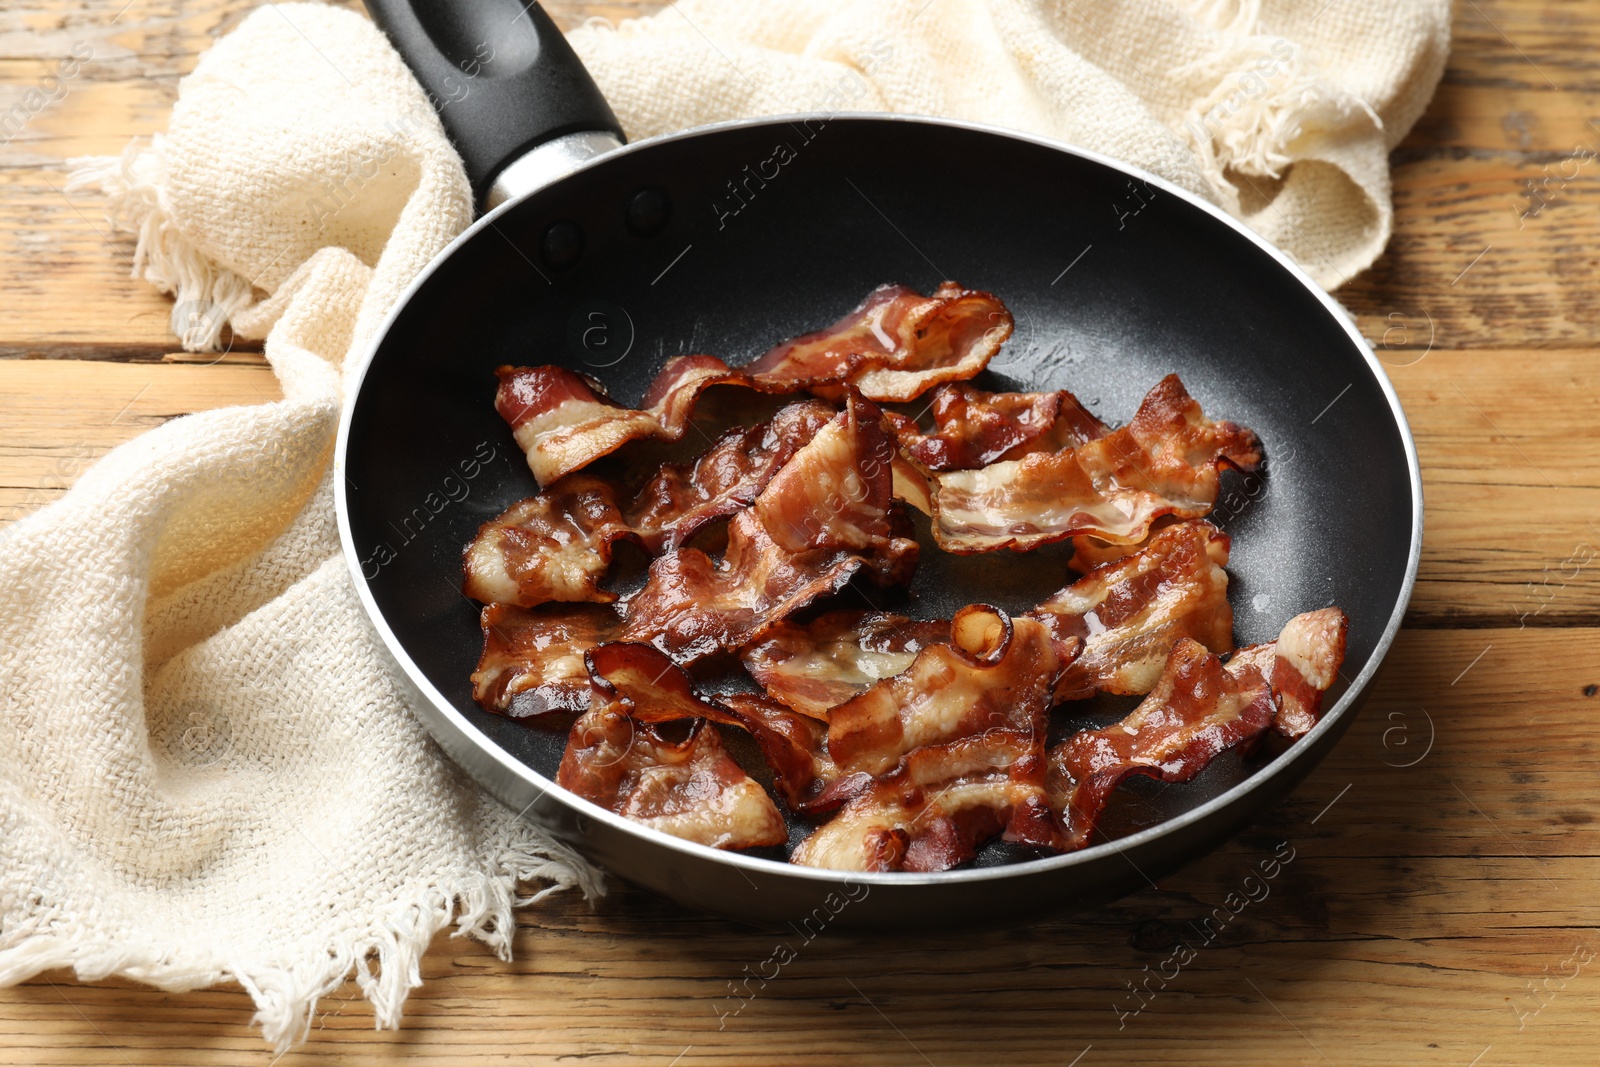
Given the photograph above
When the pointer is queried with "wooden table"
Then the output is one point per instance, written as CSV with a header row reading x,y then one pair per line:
x,y
1441,904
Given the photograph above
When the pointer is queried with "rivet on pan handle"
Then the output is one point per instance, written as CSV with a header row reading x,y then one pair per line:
x,y
504,82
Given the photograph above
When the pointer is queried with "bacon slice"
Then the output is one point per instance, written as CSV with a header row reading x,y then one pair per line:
x,y
822,518
973,428
1129,612
532,662
618,757
563,420
1302,665
1197,709
557,545
897,344
794,746
938,806
553,546
961,735
815,666
893,347
727,477
1166,461
995,673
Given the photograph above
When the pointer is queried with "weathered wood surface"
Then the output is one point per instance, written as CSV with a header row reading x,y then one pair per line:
x,y
1439,908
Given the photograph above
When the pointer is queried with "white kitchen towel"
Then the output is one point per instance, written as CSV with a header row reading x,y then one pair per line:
x,y
206,770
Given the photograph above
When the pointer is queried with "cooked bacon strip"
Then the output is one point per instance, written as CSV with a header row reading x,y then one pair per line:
x,y
552,546
728,476
1165,462
1198,709
972,428
938,806
532,662
1302,665
557,544
822,518
1129,612
796,748
996,673
893,347
1089,552
618,757
963,730
897,344
563,420
658,690
814,666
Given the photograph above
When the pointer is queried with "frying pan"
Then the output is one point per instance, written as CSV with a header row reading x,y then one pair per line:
x,y
728,238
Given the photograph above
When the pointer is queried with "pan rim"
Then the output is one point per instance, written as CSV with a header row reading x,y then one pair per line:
x,y
466,731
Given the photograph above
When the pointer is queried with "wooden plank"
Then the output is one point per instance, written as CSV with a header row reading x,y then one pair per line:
x,y
1420,903
1509,481
58,417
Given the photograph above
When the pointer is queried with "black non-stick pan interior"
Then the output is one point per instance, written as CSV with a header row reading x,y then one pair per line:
x,y
777,228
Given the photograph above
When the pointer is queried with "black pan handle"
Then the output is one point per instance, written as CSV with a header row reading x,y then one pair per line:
x,y
499,73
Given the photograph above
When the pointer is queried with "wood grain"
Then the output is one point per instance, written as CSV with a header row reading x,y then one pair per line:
x,y
1440,898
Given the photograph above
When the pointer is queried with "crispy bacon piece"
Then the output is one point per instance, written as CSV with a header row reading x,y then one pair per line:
x,y
563,420
728,476
1129,612
822,518
618,757
794,746
1302,665
897,344
893,347
938,806
972,428
817,665
1165,462
961,733
532,662
1089,552
1197,709
995,673
552,546
557,544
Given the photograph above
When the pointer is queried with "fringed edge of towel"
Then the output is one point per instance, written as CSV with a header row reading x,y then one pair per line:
x,y
385,959
1264,95
206,296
